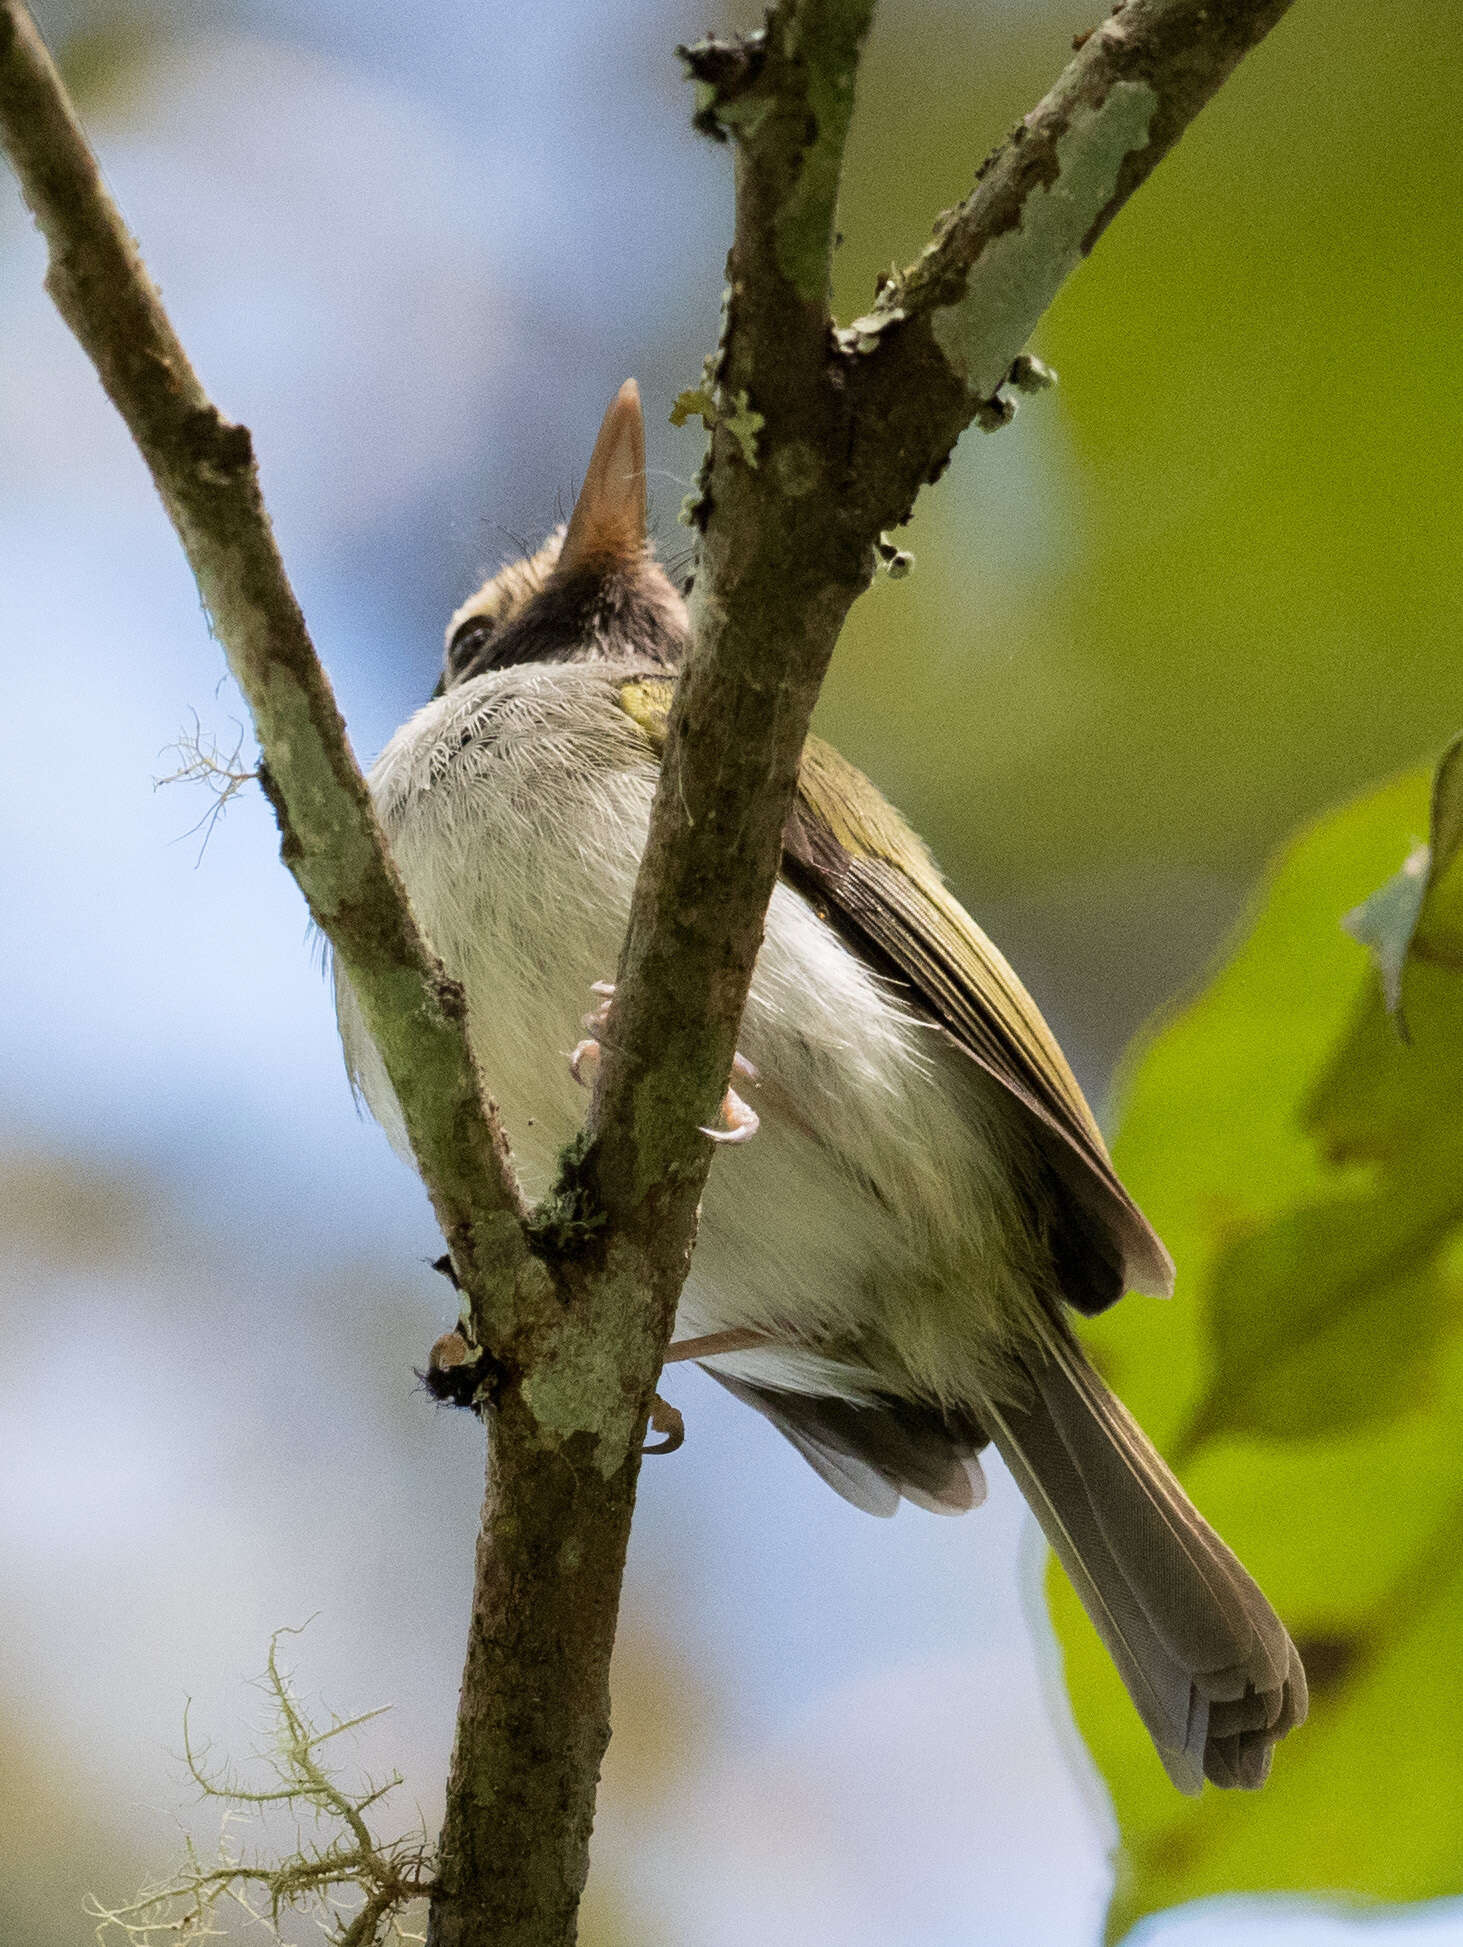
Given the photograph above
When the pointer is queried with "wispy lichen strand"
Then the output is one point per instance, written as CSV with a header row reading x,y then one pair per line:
x,y
357,1886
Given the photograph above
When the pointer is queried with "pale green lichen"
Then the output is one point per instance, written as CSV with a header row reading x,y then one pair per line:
x,y
577,1389
1019,272
704,96
743,424
713,406
744,115
359,1889
862,336
571,1555
821,48
569,1216
697,402
803,229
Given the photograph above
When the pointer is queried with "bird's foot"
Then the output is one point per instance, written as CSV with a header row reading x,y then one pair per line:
x,y
666,1419
584,1057
739,1121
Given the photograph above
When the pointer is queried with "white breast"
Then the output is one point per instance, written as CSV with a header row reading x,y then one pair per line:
x,y
517,807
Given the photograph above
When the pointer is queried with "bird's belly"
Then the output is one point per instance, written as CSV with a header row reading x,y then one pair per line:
x,y
868,1218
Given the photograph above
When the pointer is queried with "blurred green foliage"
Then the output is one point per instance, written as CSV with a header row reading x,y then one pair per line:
x,y
1302,1154
1205,589
1210,585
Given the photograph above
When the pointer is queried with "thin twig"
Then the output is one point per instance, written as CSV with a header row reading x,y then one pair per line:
x,y
941,340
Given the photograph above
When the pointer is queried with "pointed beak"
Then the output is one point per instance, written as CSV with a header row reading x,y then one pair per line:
x,y
608,523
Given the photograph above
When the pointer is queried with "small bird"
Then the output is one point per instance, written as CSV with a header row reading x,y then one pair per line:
x,y
918,1195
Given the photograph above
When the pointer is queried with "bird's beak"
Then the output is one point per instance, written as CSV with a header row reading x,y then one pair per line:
x,y
608,523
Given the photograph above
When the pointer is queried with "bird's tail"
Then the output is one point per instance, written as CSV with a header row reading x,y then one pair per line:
x,y
1206,1660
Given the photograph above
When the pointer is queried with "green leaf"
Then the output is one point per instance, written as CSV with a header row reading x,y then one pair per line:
x,y
1419,911
1305,1165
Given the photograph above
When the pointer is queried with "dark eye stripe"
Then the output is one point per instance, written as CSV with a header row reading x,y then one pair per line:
x,y
465,651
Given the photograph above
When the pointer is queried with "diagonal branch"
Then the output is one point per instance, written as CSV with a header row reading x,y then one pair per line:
x,y
572,1358
941,339
203,468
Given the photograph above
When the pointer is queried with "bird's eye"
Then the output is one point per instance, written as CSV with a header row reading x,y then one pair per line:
x,y
467,652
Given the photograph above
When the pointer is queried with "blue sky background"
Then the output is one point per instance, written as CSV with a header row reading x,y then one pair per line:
x,y
417,259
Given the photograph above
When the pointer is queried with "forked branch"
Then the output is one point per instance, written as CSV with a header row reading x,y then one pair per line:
x,y
821,440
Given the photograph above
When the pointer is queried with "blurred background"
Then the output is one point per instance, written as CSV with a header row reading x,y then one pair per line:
x,y
1205,588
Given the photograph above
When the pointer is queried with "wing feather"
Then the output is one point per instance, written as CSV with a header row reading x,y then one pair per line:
x,y
848,849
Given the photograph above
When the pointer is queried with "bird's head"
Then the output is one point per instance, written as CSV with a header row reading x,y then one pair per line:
x,y
594,592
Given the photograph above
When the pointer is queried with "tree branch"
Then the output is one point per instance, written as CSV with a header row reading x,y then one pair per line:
x,y
941,339
203,468
565,1444
741,713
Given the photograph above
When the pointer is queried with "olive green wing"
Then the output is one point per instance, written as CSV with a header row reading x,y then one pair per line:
x,y
854,857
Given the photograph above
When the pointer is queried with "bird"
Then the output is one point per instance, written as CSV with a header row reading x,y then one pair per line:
x,y
919,1199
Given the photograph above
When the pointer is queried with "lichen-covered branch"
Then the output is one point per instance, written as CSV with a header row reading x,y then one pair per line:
x,y
560,1334
941,339
771,590
203,468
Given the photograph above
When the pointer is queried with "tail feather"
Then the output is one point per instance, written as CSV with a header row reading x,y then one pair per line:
x,y
1206,1660
1217,1609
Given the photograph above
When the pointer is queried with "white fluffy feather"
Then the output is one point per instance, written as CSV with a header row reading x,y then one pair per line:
x,y
517,807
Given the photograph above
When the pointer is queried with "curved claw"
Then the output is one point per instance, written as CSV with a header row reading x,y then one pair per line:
x,y
666,1419
741,1121
597,1017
